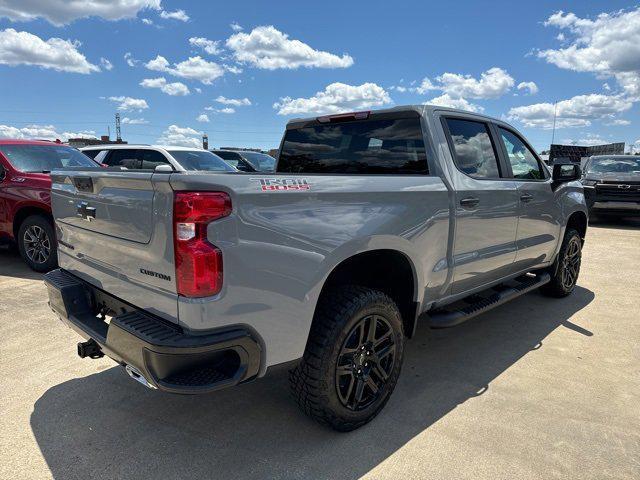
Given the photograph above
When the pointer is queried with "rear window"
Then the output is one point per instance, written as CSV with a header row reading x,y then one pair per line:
x,y
383,146
200,160
260,161
44,158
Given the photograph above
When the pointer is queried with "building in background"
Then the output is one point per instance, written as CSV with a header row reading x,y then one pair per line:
x,y
578,154
85,142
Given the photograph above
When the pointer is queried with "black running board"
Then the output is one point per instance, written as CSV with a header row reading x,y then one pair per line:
x,y
444,318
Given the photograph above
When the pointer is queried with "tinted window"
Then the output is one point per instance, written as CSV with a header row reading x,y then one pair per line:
x,y
523,162
151,159
91,153
127,158
200,160
227,155
261,161
44,158
371,147
474,153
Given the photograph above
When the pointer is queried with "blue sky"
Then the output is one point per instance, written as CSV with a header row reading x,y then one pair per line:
x,y
247,67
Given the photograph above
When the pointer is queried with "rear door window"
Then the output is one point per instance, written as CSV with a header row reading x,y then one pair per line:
x,y
384,146
150,159
124,157
474,153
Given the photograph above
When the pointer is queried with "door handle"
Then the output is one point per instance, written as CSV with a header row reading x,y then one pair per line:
x,y
469,202
526,197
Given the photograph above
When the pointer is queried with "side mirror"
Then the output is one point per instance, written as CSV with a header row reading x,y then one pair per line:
x,y
3,172
164,168
566,172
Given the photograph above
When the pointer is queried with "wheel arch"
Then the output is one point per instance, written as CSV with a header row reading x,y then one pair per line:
x,y
386,269
578,221
25,212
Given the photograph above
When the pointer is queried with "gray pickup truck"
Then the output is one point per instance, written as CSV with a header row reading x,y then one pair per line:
x,y
372,222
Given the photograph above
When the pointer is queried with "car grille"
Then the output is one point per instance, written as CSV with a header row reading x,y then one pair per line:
x,y
624,192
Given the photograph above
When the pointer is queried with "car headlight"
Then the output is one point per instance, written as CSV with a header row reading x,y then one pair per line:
x,y
589,183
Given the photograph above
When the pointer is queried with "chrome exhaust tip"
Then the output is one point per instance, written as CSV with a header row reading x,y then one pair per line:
x,y
138,377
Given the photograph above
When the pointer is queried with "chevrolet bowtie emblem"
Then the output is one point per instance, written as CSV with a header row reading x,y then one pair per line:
x,y
624,187
86,212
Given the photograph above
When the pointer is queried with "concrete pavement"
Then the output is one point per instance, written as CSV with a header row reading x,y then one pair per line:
x,y
538,388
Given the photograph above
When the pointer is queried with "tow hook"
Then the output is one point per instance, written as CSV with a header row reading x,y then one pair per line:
x,y
89,349
138,377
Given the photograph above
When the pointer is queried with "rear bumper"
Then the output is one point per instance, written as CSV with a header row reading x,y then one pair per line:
x,y
168,357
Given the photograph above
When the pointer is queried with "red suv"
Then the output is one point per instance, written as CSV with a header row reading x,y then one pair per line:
x,y
25,196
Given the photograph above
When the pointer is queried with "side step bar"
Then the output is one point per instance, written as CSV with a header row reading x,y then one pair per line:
x,y
444,318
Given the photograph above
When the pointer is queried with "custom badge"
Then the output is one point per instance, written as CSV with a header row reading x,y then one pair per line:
x,y
280,184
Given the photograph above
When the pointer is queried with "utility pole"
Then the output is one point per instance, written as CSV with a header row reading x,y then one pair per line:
x,y
118,134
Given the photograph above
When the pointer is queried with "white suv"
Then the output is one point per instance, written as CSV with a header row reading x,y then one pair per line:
x,y
148,157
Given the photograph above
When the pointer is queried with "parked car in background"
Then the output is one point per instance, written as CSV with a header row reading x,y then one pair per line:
x,y
247,161
148,157
25,196
612,184
373,221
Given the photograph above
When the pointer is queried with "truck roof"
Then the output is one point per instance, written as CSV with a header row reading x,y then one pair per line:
x,y
140,145
419,108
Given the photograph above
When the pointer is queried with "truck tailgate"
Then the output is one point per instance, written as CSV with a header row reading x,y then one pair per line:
x,y
114,230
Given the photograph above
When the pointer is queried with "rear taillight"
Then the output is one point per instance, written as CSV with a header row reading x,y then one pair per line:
x,y
198,262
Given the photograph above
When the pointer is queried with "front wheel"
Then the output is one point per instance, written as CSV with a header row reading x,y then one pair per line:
x,y
565,270
352,360
36,242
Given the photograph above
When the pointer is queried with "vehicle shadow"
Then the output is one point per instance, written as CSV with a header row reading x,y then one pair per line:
x,y
617,223
106,426
12,265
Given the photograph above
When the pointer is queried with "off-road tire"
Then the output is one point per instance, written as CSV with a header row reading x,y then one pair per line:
x,y
31,226
558,286
314,381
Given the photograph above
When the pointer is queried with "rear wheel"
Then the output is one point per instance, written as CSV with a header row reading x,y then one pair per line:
x,y
566,268
36,242
352,360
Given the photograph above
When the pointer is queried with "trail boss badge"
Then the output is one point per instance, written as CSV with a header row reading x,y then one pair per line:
x,y
275,184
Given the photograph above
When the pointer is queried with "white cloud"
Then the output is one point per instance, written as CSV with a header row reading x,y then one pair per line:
x,y
268,48
493,83
337,97
203,117
232,69
180,15
132,62
194,68
182,136
618,121
62,12
578,111
128,103
236,102
530,87
445,100
609,45
134,121
42,132
209,46
398,88
226,110
24,48
147,21
198,90
173,89
235,27
106,64
589,140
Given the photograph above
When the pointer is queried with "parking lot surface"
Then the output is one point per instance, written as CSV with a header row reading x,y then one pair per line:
x,y
537,388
